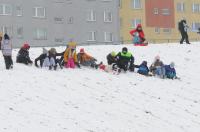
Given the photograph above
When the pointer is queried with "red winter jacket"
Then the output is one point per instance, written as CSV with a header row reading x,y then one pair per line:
x,y
141,33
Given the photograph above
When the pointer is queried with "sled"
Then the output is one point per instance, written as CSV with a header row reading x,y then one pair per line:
x,y
143,44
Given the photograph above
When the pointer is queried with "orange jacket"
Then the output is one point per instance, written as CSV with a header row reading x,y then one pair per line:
x,y
84,57
69,54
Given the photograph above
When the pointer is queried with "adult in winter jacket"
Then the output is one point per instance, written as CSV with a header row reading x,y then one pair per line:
x,y
23,55
183,28
7,52
170,71
143,68
86,60
138,35
125,60
1,38
157,68
111,58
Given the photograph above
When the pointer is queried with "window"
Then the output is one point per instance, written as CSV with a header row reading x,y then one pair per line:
x,y
108,37
155,11
6,29
91,16
135,22
195,26
136,4
195,8
19,11
157,30
20,32
167,30
107,16
58,20
39,12
180,7
40,34
91,36
70,20
166,12
5,9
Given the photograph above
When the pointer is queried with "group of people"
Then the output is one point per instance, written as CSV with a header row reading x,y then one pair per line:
x,y
69,58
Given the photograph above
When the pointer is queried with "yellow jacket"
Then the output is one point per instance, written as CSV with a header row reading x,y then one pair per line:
x,y
69,54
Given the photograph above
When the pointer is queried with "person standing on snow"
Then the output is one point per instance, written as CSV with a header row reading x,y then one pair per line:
x,y
183,28
138,35
125,60
7,52
23,55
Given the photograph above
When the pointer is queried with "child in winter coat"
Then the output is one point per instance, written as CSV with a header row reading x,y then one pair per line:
x,y
1,38
7,52
111,58
138,35
157,68
23,55
70,56
143,68
86,60
170,71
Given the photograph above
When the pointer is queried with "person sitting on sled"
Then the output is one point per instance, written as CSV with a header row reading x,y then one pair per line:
x,y
125,60
138,35
143,68
23,55
170,71
86,60
157,68
111,58
70,56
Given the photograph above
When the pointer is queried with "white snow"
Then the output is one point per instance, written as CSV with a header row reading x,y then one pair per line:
x,y
87,100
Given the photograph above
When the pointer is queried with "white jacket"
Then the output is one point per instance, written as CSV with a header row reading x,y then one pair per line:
x,y
6,48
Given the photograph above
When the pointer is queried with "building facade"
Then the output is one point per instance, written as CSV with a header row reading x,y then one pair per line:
x,y
159,18
55,22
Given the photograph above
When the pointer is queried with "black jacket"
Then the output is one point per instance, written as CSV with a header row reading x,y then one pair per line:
x,y
23,56
110,59
124,59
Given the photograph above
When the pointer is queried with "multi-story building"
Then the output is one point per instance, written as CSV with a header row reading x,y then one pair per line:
x,y
159,18
55,22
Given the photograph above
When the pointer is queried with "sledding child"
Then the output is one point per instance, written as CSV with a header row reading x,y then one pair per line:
x,y
125,60
23,55
157,68
7,52
143,68
170,71
70,56
86,60
138,35
47,59
111,58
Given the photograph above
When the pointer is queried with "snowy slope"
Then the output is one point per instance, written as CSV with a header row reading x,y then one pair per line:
x,y
86,100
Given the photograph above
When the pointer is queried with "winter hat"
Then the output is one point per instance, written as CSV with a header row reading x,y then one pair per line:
x,y
144,62
52,50
6,36
157,57
113,54
44,51
124,49
26,46
82,50
172,65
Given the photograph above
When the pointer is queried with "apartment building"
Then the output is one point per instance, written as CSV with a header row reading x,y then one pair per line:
x,y
55,22
159,18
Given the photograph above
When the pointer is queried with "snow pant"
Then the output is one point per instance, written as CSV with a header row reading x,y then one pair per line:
x,y
48,62
70,63
136,40
23,60
160,71
184,36
8,62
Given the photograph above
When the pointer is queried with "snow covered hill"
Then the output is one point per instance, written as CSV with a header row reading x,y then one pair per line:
x,y
87,100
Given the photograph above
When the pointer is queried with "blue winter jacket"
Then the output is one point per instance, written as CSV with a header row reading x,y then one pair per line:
x,y
143,69
170,72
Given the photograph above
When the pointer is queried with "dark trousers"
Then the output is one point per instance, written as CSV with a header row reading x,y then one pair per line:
x,y
8,61
184,36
